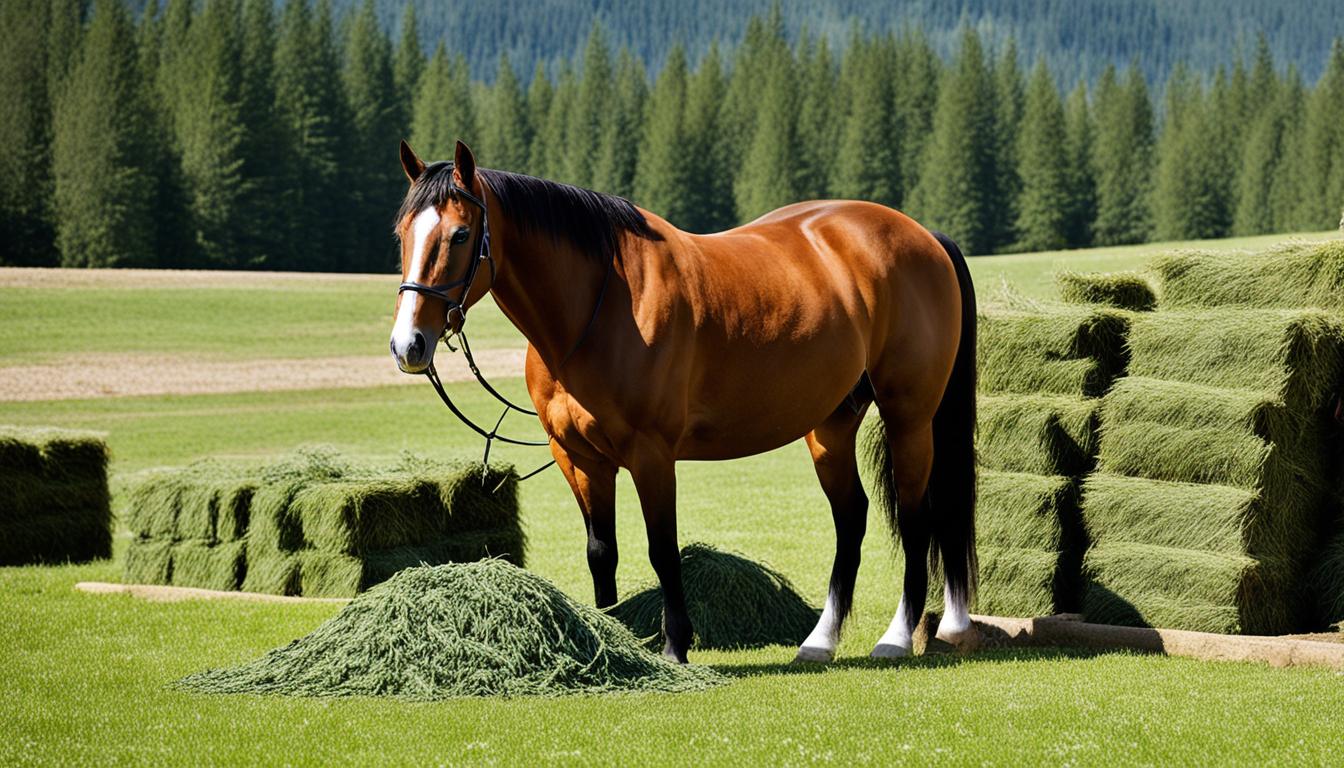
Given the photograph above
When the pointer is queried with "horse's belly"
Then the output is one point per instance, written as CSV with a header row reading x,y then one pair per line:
x,y
768,402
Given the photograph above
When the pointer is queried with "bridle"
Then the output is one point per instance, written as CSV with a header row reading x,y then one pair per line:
x,y
442,292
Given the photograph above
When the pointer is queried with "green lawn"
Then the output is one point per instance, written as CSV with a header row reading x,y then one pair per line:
x,y
85,675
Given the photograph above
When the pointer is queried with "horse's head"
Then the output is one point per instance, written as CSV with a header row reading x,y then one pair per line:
x,y
444,239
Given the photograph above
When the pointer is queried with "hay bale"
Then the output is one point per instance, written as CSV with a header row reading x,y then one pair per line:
x,y
208,566
477,629
1067,350
206,501
1039,434
149,562
324,527
1289,276
1141,585
733,602
54,501
1032,544
1123,290
1295,355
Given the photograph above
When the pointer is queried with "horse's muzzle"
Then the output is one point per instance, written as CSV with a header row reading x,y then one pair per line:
x,y
412,353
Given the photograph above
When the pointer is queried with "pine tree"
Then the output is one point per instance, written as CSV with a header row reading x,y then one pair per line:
x,y
262,230
1044,203
65,31
549,147
590,112
763,45
444,113
711,205
539,96
618,148
819,131
914,97
1008,108
25,129
866,166
375,181
1079,133
407,66
509,128
1323,149
1286,187
210,132
102,150
312,115
663,183
1187,200
1262,155
958,183
1123,159
769,177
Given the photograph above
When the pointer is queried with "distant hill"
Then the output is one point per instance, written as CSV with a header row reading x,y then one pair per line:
x,y
1078,37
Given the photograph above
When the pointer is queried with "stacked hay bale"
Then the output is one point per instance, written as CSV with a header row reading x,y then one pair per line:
x,y
1041,372
316,525
1213,462
54,503
189,526
325,529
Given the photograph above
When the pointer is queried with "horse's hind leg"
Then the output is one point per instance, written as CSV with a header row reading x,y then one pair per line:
x,y
832,448
911,462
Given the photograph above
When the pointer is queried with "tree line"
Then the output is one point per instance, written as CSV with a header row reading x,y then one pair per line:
x,y
227,134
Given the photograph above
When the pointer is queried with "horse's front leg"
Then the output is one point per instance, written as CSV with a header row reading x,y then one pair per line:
x,y
655,479
593,481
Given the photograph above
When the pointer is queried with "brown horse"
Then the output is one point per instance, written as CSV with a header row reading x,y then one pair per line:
x,y
647,345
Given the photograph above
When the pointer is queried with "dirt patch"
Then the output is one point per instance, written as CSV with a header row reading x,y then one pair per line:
x,y
156,593
42,277
132,375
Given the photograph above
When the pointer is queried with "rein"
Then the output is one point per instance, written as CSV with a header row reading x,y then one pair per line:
x,y
441,292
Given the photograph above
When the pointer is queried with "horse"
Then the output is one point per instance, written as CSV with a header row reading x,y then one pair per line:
x,y
648,345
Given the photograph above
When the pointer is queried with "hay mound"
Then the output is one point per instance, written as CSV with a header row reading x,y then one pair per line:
x,y
1070,350
54,501
1212,471
733,602
1124,290
476,629
1292,275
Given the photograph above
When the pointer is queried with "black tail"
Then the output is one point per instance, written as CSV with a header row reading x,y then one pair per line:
x,y
945,523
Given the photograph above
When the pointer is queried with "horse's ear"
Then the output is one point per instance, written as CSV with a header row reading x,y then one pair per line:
x,y
464,165
411,162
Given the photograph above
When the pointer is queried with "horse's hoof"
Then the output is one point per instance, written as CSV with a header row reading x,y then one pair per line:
x,y
814,655
674,656
889,651
963,641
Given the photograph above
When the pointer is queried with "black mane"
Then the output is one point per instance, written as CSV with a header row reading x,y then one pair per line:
x,y
592,222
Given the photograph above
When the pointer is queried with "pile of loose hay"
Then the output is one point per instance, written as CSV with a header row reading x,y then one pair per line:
x,y
478,629
316,524
733,602
1293,275
54,502
1125,290
1211,472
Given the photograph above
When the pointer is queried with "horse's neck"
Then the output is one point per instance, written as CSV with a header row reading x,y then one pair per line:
x,y
548,290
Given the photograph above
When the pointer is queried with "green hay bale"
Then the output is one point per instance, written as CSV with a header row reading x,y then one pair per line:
x,y
331,575
476,629
205,501
207,566
271,571
149,562
1123,290
1029,525
1063,350
1292,275
1040,434
54,500
733,602
1196,434
1296,356
1148,585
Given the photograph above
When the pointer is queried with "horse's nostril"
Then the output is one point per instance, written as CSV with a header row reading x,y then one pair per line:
x,y
417,350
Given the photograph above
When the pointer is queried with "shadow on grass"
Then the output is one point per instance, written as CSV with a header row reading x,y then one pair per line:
x,y
927,661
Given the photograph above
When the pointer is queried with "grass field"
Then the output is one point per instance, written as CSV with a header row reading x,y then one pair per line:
x,y
85,675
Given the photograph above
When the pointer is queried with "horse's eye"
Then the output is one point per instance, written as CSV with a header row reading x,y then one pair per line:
x,y
460,235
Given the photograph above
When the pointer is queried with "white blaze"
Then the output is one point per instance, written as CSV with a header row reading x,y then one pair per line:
x,y
403,331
